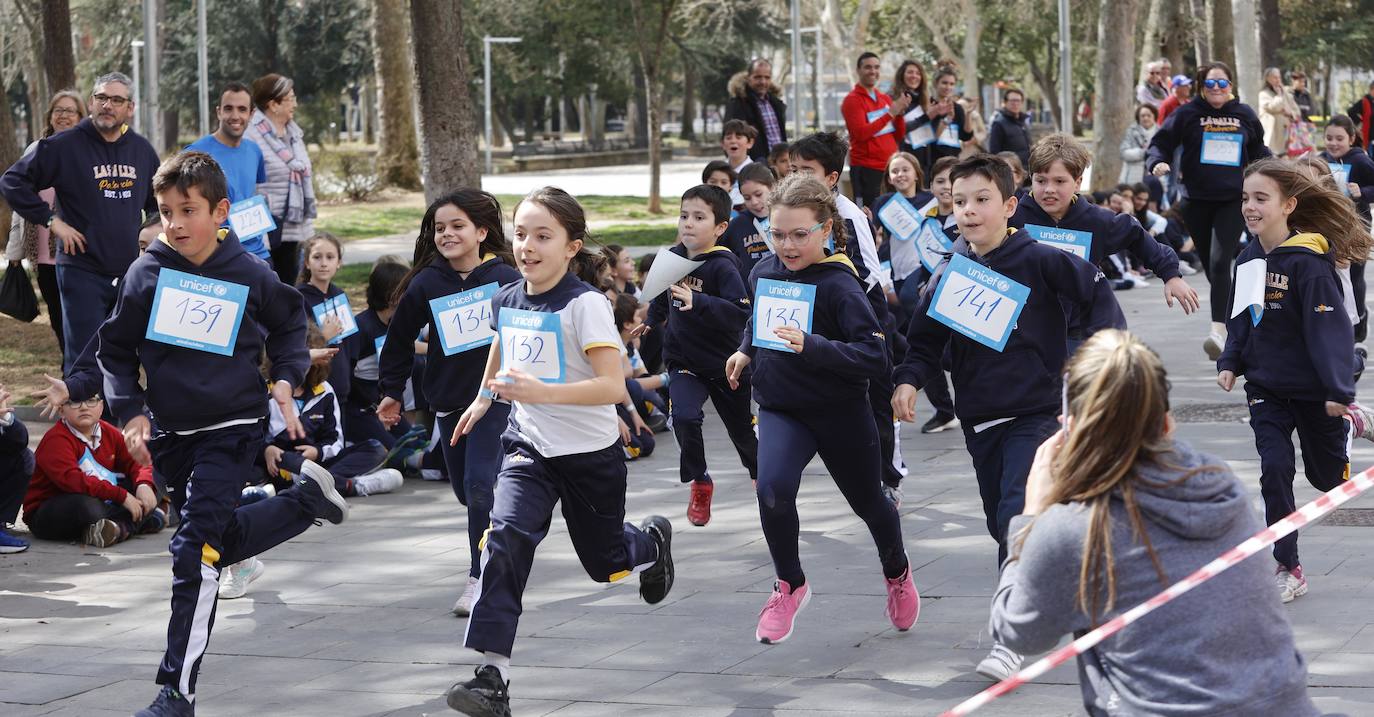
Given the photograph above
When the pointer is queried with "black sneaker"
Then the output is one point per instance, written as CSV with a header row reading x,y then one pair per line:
x,y
940,422
319,482
485,695
169,703
657,580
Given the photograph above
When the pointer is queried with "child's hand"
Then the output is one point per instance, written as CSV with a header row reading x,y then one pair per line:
x,y
734,367
1227,380
4,399
639,425
1040,482
1334,409
795,338
331,327
136,434
147,497
683,294
1160,169
1177,288
516,385
1354,190
625,437
640,330
310,453
272,456
281,393
469,419
904,403
134,507
389,412
50,399
321,357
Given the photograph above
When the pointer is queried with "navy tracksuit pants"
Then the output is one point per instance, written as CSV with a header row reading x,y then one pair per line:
x,y
16,468
844,435
205,474
1002,457
1325,445
591,487
688,393
472,467
642,443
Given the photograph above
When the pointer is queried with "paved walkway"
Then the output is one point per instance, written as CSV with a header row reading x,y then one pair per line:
x,y
353,619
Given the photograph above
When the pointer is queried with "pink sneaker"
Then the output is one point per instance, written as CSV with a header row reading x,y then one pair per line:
x,y
780,612
903,602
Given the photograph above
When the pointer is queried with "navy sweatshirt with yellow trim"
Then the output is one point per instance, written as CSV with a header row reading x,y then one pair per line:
x,y
701,338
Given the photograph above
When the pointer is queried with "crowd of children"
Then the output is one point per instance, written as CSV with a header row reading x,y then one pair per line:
x,y
528,368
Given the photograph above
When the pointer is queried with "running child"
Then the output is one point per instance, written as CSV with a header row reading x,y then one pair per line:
x,y
462,257
1006,378
194,313
702,318
1353,172
813,398
562,444
1294,349
747,235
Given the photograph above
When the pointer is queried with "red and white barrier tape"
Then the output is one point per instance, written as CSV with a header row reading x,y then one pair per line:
x,y
1324,504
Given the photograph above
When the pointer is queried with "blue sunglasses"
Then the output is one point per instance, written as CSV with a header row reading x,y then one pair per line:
x,y
1216,84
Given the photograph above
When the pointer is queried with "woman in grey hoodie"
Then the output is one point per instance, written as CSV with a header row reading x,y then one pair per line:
x,y
1117,510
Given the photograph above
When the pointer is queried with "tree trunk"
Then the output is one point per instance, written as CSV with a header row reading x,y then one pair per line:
x,y
1202,36
369,109
1270,32
1115,86
650,50
689,100
1047,80
398,157
448,124
57,44
9,151
171,127
1154,21
973,34
1249,74
1220,32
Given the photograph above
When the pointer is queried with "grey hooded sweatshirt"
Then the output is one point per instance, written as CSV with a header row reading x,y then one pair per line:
x,y
1225,648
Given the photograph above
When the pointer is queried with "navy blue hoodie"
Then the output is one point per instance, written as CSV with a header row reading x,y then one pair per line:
x,y
103,189
451,382
702,338
1359,169
1184,128
744,239
340,367
1301,348
1023,379
845,348
190,389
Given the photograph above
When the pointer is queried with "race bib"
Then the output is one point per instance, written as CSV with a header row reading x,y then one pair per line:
x,y
932,244
780,304
1076,242
336,306
377,344
874,116
978,302
900,218
922,136
91,467
251,217
464,319
1341,173
196,312
950,136
532,341
1221,148
762,225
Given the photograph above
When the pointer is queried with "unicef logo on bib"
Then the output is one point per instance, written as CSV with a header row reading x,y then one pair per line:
x,y
464,319
532,341
780,304
196,312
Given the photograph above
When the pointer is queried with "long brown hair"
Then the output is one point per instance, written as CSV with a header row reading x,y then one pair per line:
x,y
483,210
800,191
589,263
1322,208
922,91
1118,401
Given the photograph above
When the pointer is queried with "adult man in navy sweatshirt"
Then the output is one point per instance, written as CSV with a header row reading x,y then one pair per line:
x,y
102,172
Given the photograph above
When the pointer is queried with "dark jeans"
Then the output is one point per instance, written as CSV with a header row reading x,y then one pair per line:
x,y
286,256
65,517
1002,457
47,285
87,298
472,468
1216,228
866,183
688,393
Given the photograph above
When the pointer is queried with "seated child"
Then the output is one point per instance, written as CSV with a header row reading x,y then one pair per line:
x,y
16,465
360,423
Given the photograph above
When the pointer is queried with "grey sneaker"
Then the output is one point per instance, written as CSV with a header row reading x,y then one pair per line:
x,y
102,533
463,607
239,576
1000,664
382,481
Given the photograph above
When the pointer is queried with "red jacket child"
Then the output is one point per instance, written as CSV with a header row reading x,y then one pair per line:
x,y
59,468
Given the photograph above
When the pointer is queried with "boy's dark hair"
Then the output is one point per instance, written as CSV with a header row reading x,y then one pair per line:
x,y
382,283
865,56
235,86
778,150
192,169
757,172
715,197
645,263
739,128
626,307
828,148
717,165
988,166
1124,187
941,164
1141,188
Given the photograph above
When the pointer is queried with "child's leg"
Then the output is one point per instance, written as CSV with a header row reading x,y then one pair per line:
x,y
985,448
891,469
738,416
1273,422
65,516
355,460
641,443
455,455
15,470
482,455
592,488
520,517
1023,437
1325,443
688,394
786,445
847,441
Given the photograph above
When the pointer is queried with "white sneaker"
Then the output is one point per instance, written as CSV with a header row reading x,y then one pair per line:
x,y
1139,281
382,481
1186,269
1362,419
238,576
1213,345
463,607
1000,664
1291,583
431,474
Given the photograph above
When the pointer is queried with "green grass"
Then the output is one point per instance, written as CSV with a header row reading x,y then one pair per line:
x,y
637,234
599,208
363,221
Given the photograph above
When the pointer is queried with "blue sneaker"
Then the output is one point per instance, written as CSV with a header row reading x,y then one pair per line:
x,y
413,442
11,544
169,703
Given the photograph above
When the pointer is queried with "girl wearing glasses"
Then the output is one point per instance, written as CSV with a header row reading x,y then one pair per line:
x,y
813,398
1218,136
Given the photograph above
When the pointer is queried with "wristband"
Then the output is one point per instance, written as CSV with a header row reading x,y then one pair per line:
x,y
667,378
486,393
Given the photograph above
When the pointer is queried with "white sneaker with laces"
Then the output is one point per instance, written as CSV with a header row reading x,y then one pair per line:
x,y
237,578
1362,419
463,607
382,481
1000,664
431,474
1213,345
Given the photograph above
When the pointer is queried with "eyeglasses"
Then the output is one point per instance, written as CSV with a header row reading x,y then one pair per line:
x,y
88,403
1216,84
64,111
111,100
796,237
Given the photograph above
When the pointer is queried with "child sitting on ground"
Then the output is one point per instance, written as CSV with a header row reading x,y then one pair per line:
x,y
16,465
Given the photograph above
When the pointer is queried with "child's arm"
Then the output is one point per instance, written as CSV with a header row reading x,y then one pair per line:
x,y
1157,257
658,313
926,340
479,405
282,315
1035,602
727,310
398,354
608,387
1329,337
145,491
858,352
327,440
117,351
14,435
1161,150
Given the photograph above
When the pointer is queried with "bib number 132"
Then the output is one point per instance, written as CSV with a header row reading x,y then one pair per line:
x,y
532,341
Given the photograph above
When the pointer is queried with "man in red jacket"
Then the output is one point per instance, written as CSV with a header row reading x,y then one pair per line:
x,y
875,123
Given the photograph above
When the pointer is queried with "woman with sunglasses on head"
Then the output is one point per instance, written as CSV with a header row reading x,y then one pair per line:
x,y
1218,137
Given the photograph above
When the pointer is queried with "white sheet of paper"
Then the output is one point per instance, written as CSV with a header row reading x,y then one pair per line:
x,y
1249,286
668,269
